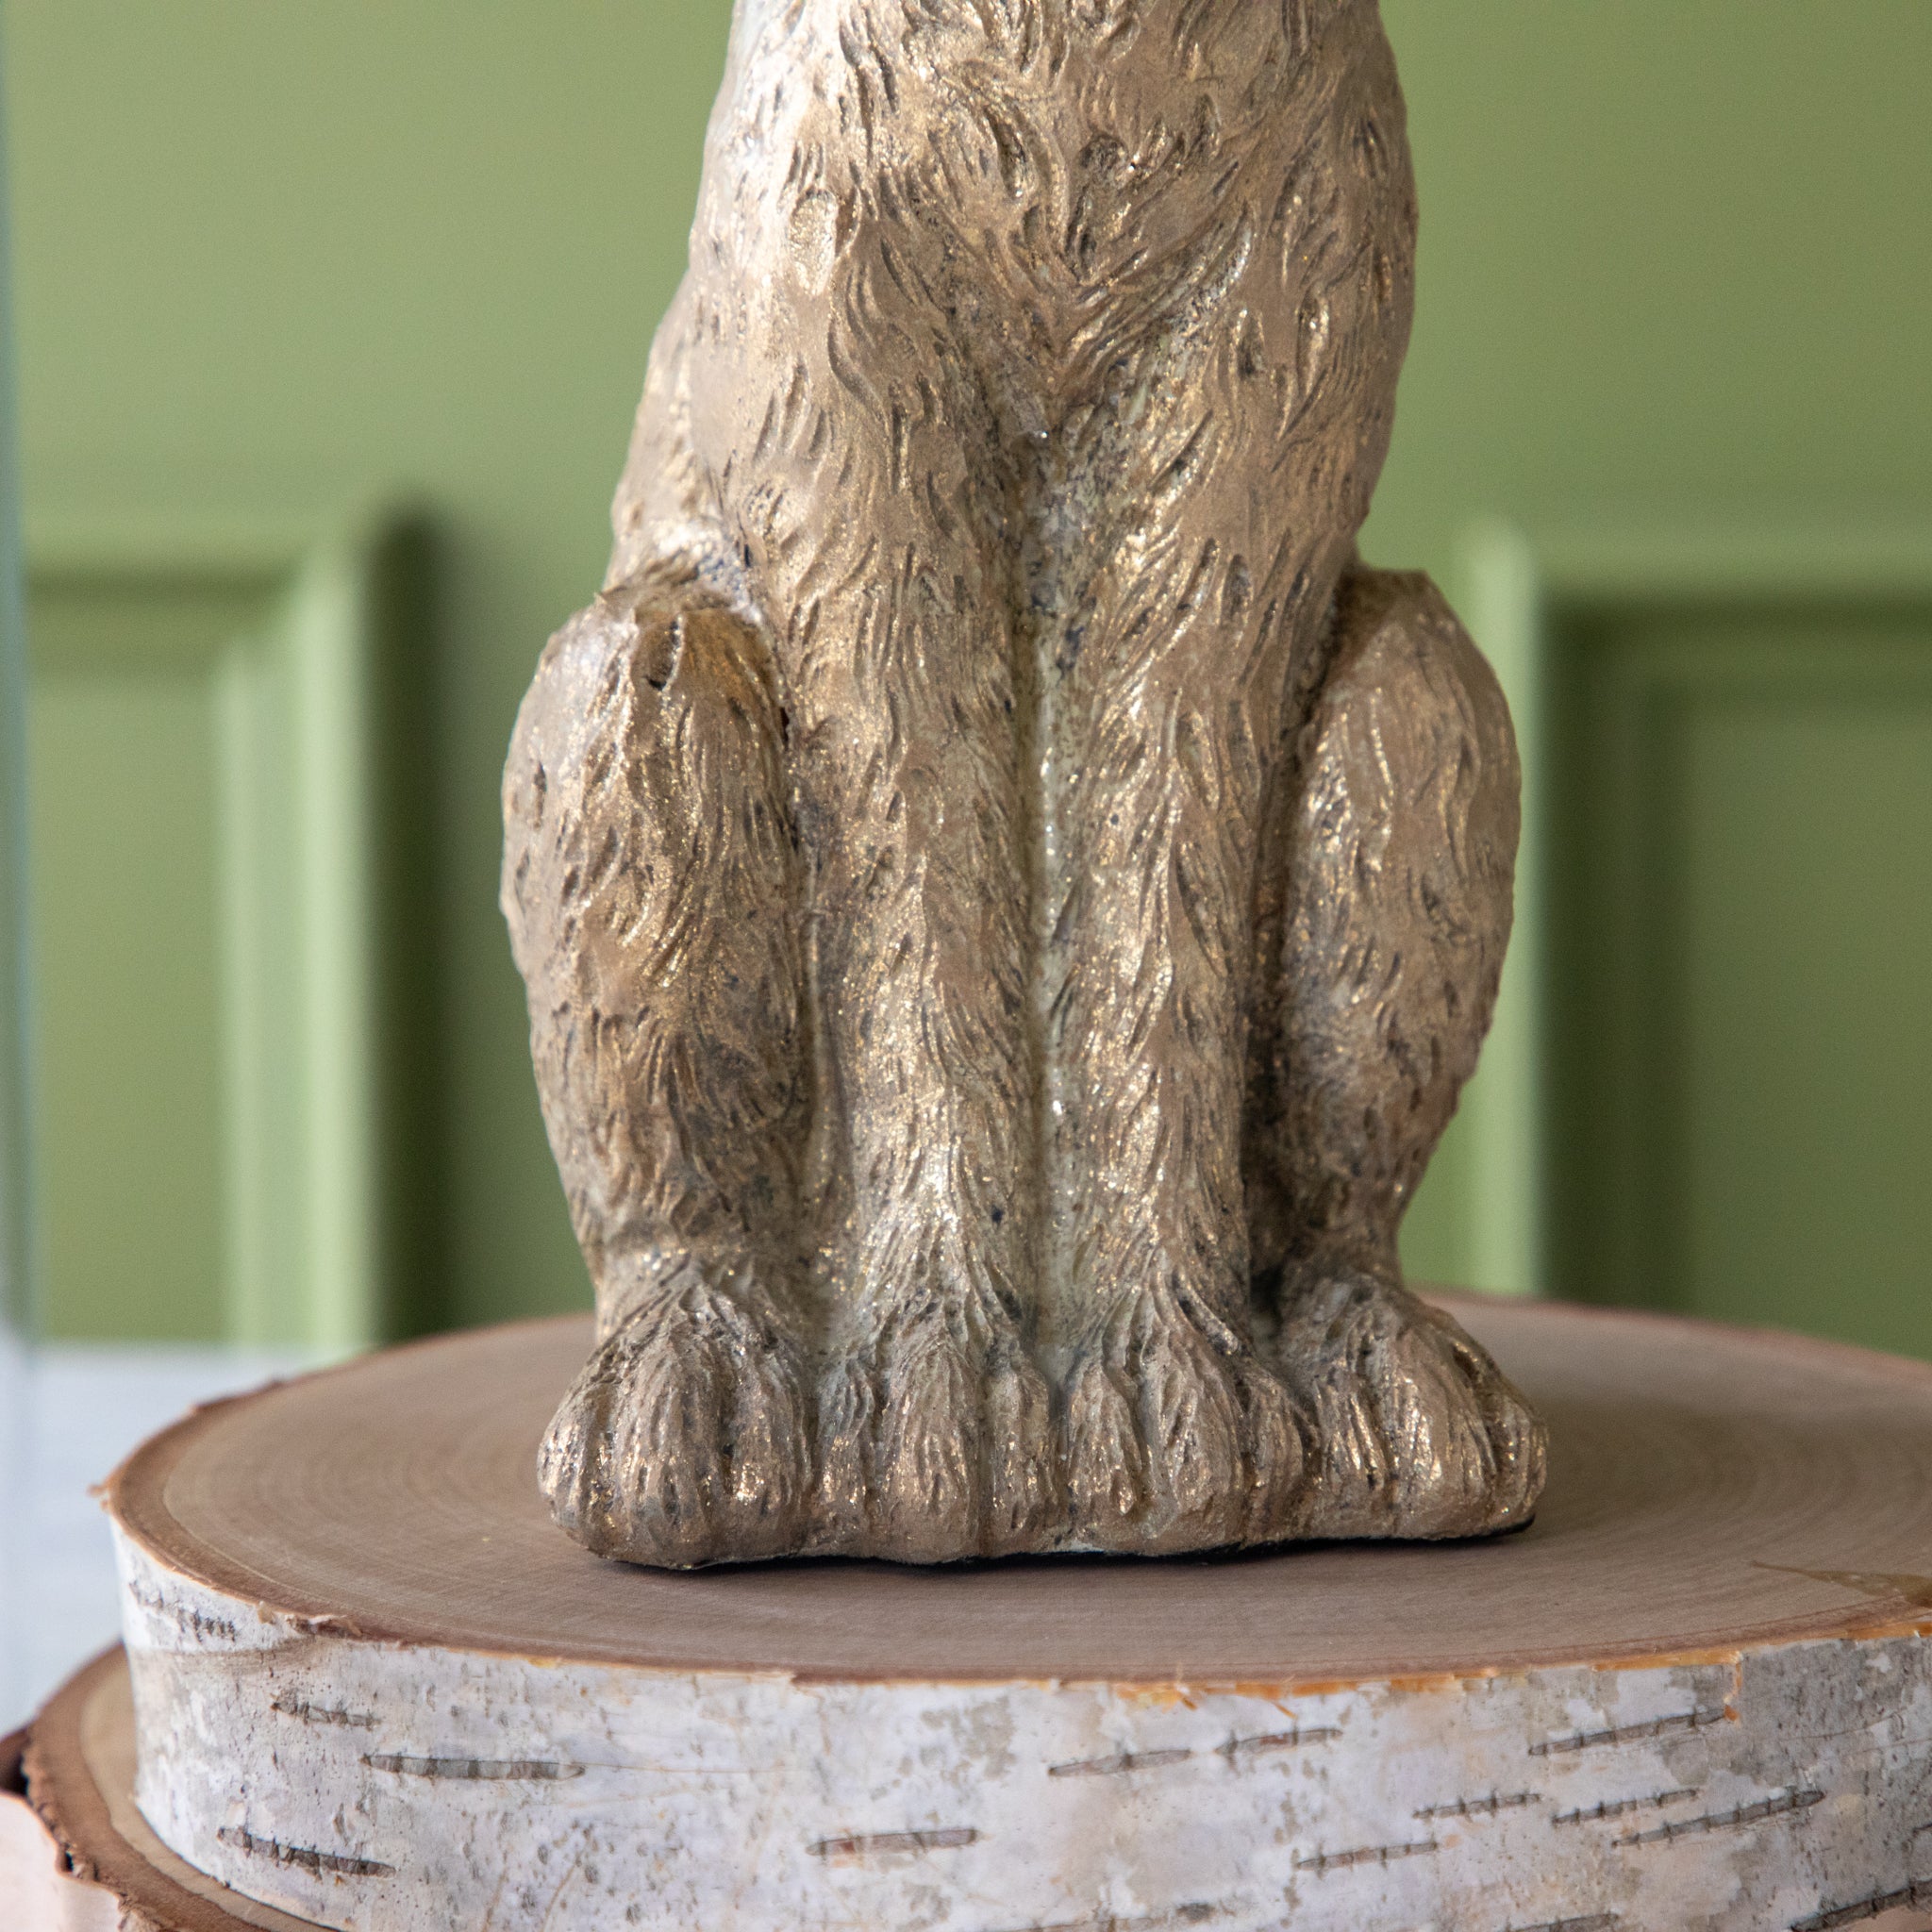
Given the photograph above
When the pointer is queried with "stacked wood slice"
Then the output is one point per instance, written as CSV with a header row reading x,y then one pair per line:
x,y
374,1688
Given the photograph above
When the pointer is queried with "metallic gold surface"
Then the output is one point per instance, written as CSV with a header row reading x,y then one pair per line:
x,y
1007,900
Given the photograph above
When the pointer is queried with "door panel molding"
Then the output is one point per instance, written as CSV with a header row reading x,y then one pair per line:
x,y
1653,675
262,655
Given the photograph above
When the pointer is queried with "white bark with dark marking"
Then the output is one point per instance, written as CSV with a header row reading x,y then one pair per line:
x,y
1748,1792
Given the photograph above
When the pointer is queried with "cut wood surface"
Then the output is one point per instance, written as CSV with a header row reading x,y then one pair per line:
x,y
39,1890
378,1688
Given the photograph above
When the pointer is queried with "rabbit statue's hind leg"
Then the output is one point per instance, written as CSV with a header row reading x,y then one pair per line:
x,y
651,885
1401,844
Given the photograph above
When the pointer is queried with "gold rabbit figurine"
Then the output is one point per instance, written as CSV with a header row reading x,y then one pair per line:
x,y
1007,899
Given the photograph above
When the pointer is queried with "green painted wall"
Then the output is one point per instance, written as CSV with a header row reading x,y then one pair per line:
x,y
15,1315
130,1030
1674,269
227,928
1674,275
274,259
1739,750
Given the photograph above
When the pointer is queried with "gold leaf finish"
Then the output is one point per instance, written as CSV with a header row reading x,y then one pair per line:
x,y
1007,900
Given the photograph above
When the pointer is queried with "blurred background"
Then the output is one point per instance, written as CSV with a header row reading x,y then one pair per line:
x,y
329,323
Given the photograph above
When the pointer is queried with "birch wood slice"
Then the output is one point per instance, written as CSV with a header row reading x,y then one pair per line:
x,y
377,1689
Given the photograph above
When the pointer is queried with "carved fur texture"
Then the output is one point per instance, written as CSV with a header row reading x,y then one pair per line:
x,y
1007,900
